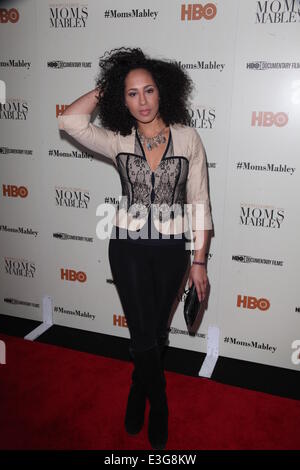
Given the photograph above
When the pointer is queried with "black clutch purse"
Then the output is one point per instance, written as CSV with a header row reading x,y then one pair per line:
x,y
191,306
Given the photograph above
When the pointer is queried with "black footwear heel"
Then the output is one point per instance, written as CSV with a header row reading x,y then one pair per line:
x,y
136,405
149,369
158,427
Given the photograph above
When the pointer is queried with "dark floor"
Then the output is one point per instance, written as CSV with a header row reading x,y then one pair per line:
x,y
250,375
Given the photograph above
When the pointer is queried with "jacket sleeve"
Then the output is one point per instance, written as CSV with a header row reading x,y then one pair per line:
x,y
95,138
197,187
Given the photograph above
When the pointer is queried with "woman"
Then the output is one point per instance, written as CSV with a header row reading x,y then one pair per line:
x,y
142,105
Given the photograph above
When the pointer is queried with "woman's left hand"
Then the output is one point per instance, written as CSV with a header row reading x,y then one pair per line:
x,y
198,276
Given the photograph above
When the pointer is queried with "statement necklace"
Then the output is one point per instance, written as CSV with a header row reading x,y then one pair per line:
x,y
152,142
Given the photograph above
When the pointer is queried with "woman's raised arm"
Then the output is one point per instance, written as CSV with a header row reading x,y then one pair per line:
x,y
85,104
75,120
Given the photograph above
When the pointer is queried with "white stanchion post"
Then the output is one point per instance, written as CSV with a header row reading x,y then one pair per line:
x,y
212,353
2,352
47,320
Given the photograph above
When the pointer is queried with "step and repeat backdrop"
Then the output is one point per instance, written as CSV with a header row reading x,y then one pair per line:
x,y
244,59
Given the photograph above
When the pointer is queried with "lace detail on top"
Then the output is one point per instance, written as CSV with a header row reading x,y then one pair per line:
x,y
144,191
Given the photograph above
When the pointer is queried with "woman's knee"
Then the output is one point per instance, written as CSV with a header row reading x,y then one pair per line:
x,y
143,344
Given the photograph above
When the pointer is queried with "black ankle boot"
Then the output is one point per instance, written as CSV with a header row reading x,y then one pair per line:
x,y
149,369
136,404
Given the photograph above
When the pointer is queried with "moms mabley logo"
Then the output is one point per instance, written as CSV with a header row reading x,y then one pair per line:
x,y
261,216
277,11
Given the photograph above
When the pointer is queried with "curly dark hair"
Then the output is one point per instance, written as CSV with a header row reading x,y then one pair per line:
x,y
174,86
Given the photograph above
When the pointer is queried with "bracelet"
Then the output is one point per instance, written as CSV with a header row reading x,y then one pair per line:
x,y
199,262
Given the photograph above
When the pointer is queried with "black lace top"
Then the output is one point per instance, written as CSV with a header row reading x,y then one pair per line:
x,y
162,191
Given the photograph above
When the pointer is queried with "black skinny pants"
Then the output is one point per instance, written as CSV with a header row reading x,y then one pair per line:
x,y
147,278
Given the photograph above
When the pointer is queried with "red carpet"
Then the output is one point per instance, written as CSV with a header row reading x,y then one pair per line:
x,y
56,398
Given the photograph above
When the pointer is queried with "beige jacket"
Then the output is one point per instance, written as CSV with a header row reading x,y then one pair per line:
x,y
179,183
